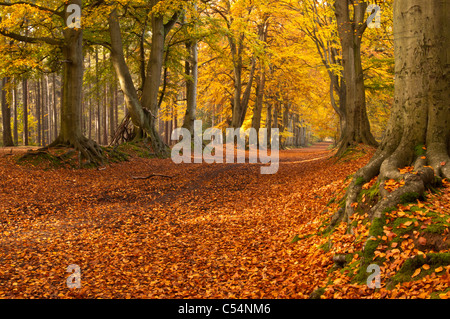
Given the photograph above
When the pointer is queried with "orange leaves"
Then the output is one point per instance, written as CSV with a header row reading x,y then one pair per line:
x,y
407,169
439,269
416,272
422,241
391,184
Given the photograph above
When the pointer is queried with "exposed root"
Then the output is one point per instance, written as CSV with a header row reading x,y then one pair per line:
x,y
88,150
385,164
415,186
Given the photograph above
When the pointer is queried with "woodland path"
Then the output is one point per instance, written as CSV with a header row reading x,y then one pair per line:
x,y
212,231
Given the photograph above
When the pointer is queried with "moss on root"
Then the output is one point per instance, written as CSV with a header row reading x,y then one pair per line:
x,y
433,260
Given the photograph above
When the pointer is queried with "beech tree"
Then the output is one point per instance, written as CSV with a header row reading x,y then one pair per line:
x,y
6,114
418,131
143,111
70,44
351,27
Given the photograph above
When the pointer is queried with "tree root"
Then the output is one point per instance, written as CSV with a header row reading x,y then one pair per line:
x,y
88,150
385,164
415,186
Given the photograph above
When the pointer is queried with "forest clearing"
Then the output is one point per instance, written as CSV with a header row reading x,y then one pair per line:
x,y
225,149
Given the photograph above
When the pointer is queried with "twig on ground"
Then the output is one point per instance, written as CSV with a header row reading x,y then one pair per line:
x,y
151,175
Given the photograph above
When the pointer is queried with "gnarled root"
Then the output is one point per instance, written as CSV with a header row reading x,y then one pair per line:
x,y
386,165
88,149
415,185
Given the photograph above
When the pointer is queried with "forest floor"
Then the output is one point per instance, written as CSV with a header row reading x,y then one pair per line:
x,y
210,231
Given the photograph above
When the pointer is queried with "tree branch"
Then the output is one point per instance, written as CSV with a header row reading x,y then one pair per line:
x,y
28,39
55,12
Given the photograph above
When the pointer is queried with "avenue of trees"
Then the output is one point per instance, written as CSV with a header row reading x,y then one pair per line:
x,y
138,69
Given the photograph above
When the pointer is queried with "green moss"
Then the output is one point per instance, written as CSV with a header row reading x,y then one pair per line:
x,y
435,294
326,247
331,201
360,181
341,202
397,226
419,150
373,191
436,228
137,148
317,293
348,177
376,229
409,197
439,224
408,268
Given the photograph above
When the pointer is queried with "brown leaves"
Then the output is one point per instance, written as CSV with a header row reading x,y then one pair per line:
x,y
214,231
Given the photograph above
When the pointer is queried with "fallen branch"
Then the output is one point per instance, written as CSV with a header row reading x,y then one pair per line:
x,y
151,175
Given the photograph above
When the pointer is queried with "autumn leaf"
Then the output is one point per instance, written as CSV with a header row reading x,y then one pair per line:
x,y
416,272
422,241
439,269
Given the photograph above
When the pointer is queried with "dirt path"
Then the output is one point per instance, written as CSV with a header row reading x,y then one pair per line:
x,y
212,231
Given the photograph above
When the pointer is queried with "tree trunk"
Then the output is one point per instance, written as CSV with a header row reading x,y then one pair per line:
x,y
142,118
268,122
25,111
38,111
49,112
70,132
6,114
15,120
104,114
112,106
357,128
97,91
44,114
191,70
55,109
420,120
260,86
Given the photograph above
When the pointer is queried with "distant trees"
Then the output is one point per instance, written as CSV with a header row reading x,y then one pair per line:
x,y
138,70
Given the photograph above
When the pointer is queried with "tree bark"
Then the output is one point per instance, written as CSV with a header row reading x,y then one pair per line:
x,y
98,100
70,131
260,86
160,29
55,109
357,126
6,114
15,120
25,111
140,116
420,118
191,70
38,111
105,114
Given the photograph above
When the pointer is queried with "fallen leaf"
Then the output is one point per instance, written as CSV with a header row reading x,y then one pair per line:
x,y
416,273
439,269
422,241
